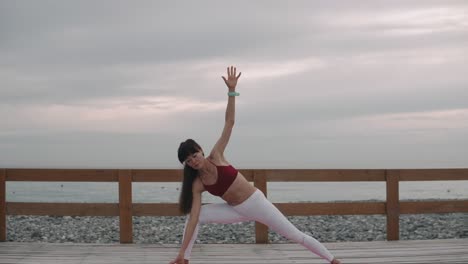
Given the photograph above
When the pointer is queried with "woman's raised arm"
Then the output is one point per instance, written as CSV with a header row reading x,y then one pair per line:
x,y
231,83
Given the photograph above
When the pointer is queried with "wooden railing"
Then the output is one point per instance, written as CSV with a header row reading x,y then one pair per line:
x,y
125,209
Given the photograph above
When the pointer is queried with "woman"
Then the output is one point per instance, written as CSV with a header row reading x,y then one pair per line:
x,y
244,202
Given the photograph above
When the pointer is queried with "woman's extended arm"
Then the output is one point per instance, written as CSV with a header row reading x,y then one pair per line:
x,y
193,221
231,83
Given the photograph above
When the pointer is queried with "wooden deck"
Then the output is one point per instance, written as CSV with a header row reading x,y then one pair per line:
x,y
426,251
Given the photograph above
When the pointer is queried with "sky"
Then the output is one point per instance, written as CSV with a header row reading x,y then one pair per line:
x,y
324,84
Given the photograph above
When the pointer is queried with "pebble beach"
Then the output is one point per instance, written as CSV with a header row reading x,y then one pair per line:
x,y
168,230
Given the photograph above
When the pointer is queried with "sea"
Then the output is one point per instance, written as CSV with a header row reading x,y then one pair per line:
x,y
276,192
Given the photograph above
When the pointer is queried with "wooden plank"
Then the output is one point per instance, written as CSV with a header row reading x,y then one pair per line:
x,y
157,175
346,208
432,207
414,251
261,230
433,174
392,206
65,175
358,208
3,212
125,206
170,175
171,209
331,175
273,175
63,209
156,209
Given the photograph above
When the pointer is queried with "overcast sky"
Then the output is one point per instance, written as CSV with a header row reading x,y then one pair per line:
x,y
325,84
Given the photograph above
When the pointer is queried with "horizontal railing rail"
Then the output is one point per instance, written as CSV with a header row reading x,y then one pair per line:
x,y
392,207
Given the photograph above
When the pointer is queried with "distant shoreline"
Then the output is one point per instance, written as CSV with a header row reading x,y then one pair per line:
x,y
284,192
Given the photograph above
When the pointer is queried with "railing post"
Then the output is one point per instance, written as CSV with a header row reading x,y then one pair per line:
x,y
261,230
125,206
2,205
393,204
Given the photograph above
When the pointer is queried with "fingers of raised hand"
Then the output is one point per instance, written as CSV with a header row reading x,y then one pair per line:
x,y
231,72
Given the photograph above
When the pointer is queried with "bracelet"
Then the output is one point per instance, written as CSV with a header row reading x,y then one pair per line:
x,y
233,94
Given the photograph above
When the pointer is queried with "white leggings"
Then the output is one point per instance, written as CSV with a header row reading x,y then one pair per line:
x,y
256,208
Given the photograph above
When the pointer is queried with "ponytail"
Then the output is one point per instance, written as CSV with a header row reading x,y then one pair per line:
x,y
186,194
187,148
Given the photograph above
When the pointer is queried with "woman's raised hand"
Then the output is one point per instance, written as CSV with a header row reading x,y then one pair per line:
x,y
231,80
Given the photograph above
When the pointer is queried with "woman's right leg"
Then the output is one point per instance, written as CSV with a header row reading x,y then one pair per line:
x,y
258,208
221,213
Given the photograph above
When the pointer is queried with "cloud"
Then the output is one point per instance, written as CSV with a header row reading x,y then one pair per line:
x,y
138,114
312,73
425,121
406,21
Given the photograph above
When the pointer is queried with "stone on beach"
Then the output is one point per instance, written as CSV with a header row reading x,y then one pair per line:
x,y
168,230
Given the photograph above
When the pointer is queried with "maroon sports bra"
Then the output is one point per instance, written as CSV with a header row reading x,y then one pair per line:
x,y
226,176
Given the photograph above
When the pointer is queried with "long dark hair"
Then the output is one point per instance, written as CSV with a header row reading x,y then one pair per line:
x,y
187,148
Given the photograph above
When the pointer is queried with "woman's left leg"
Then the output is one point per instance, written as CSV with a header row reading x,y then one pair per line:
x,y
221,213
258,208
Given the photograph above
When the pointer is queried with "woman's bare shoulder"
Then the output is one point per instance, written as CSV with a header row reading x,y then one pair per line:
x,y
198,186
